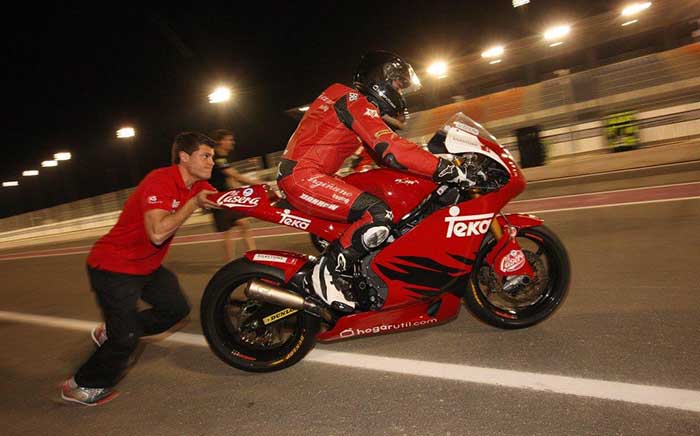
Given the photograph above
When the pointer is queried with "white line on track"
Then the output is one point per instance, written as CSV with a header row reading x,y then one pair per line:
x,y
627,170
298,233
659,396
664,200
588,194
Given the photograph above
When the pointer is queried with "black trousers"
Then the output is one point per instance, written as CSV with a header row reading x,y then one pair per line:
x,y
117,295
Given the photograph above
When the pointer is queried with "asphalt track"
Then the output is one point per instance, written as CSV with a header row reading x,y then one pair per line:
x,y
620,357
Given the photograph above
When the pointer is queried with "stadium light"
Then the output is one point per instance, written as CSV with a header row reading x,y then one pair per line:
x,y
62,156
518,3
627,23
126,132
493,52
49,163
220,95
556,33
29,173
635,8
10,183
438,69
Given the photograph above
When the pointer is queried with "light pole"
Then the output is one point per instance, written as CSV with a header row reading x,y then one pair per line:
x,y
127,134
221,97
66,175
438,71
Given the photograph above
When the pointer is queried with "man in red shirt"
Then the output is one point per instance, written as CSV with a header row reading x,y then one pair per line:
x,y
125,265
337,122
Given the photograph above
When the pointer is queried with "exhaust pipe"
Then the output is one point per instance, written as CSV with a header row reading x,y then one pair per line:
x,y
260,291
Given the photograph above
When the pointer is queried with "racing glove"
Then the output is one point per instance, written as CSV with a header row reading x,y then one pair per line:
x,y
447,172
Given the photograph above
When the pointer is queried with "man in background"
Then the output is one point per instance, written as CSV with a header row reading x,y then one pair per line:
x,y
224,178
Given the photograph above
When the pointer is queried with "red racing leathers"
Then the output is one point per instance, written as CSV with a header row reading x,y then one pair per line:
x,y
337,122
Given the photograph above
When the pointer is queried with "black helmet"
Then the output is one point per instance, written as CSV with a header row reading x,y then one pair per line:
x,y
374,78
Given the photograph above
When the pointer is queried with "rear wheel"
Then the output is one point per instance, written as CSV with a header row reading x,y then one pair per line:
x,y
525,305
248,334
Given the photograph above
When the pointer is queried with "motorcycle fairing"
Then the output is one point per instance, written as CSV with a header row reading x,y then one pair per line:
x,y
254,201
419,314
288,262
443,246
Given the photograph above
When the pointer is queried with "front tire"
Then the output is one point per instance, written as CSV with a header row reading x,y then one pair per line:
x,y
248,334
529,304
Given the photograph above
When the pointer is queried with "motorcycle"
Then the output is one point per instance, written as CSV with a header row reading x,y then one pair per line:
x,y
449,243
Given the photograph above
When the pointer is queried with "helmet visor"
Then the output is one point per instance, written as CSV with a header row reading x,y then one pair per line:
x,y
402,77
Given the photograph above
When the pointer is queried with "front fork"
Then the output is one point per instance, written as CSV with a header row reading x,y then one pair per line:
x,y
507,258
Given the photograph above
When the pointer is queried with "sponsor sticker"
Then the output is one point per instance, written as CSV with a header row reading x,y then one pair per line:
x,y
270,258
513,261
383,132
352,96
406,181
234,199
462,226
153,200
350,332
466,128
316,183
371,113
294,221
175,204
319,203
279,315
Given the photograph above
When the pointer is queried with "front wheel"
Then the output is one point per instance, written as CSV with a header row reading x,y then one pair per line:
x,y
526,305
248,334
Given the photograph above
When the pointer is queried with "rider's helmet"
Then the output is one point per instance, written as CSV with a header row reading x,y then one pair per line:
x,y
384,77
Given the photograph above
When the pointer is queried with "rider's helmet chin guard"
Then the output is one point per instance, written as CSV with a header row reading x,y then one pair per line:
x,y
384,78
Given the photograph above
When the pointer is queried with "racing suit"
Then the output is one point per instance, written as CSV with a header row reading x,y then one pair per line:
x,y
337,122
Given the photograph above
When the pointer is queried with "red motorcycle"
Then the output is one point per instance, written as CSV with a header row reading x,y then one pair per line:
x,y
448,243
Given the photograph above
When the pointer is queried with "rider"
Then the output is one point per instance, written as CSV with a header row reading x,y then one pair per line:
x,y
339,120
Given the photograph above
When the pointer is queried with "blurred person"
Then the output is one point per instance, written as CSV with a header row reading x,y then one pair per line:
x,y
125,265
362,160
337,121
224,177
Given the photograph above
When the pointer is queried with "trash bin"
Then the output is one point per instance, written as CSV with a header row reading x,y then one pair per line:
x,y
531,149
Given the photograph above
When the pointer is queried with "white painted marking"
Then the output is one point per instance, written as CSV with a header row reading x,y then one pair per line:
x,y
611,205
174,244
604,192
649,395
692,162
513,203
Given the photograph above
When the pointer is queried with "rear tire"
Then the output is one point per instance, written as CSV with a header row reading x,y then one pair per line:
x,y
234,328
532,303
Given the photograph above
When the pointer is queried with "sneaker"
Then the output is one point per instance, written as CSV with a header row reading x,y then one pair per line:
x,y
70,391
324,286
99,334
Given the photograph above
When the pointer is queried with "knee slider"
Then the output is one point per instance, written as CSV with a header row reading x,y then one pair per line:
x,y
374,236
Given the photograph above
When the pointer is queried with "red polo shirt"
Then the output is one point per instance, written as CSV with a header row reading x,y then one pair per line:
x,y
127,248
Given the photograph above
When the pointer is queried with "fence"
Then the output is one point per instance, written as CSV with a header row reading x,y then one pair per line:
x,y
664,88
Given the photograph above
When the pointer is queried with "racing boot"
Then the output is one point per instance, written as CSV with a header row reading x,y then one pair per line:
x,y
327,278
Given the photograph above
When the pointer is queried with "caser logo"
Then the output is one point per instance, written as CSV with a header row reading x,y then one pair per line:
x,y
466,225
235,199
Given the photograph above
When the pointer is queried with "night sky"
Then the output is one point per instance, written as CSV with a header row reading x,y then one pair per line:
x,y
72,75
